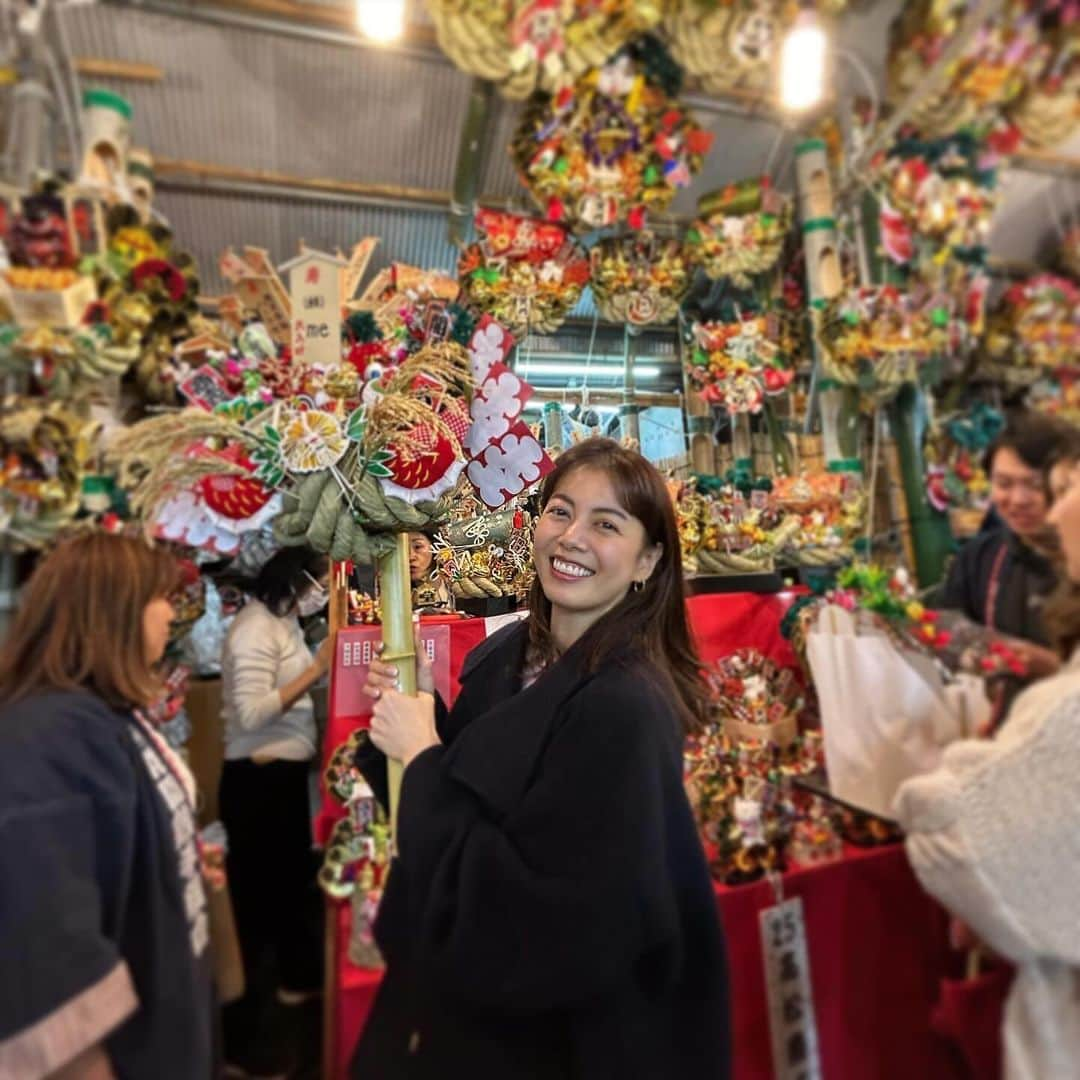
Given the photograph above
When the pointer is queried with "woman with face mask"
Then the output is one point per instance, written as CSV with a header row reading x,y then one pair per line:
x,y
267,673
550,914
994,832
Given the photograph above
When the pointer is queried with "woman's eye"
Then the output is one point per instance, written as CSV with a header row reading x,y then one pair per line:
x,y
608,526
557,511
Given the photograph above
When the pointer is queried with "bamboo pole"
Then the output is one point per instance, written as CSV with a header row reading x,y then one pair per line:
x,y
399,648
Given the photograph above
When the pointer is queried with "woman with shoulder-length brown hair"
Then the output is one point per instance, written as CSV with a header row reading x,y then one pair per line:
x,y
103,919
994,832
550,913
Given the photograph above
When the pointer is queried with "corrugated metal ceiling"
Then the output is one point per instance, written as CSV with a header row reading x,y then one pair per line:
x,y
260,100
264,101
205,221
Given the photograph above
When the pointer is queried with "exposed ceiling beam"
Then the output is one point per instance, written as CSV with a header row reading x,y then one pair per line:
x,y
95,67
182,172
187,175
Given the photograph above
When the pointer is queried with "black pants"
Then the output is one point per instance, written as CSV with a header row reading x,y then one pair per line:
x,y
271,868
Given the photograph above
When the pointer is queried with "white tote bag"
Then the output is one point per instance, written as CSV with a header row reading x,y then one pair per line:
x,y
886,713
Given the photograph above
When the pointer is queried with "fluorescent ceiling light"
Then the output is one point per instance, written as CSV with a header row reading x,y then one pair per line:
x,y
802,63
572,368
381,21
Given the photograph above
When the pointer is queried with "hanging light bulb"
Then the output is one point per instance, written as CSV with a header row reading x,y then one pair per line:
x,y
382,21
802,63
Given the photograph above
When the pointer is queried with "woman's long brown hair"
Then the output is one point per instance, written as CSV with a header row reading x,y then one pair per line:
x,y
79,625
650,622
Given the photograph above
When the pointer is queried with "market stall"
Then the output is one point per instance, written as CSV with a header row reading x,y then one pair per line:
x,y
809,260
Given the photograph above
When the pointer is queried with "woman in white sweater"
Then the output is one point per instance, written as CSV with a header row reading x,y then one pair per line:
x,y
994,833
267,674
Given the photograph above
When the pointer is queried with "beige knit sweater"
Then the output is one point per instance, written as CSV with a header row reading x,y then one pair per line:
x,y
994,834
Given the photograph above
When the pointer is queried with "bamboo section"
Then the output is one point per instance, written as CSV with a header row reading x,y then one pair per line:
x,y
395,592
810,452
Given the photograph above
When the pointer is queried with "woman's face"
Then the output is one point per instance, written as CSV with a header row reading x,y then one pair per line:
x,y
156,621
588,550
1064,514
420,556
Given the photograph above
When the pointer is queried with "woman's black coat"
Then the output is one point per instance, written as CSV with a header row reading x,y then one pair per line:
x,y
550,914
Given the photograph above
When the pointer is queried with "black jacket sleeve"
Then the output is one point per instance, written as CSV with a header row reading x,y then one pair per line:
x,y
541,884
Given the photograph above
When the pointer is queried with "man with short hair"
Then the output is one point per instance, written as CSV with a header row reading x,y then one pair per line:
x,y
1002,576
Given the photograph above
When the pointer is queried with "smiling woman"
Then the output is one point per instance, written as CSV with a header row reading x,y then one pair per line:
x,y
550,913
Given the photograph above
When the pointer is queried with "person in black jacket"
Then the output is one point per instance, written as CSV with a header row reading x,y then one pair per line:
x,y
1002,577
104,924
550,912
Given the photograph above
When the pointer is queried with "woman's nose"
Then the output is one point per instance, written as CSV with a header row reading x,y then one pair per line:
x,y
572,533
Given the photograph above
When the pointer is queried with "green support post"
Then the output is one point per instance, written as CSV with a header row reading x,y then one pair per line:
x,y
930,536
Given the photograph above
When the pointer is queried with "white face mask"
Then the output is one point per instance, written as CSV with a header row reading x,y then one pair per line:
x,y
314,600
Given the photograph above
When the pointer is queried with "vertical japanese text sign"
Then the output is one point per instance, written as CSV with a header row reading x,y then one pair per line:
x,y
315,302
790,994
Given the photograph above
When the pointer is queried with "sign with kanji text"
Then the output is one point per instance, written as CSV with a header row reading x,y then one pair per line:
x,y
790,994
315,306
354,650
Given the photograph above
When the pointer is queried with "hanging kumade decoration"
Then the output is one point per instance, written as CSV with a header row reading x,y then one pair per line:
x,y
528,45
1036,327
1002,57
639,279
956,482
353,474
740,230
942,190
614,145
148,298
731,44
44,450
737,364
526,274
1058,395
1049,110
876,337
